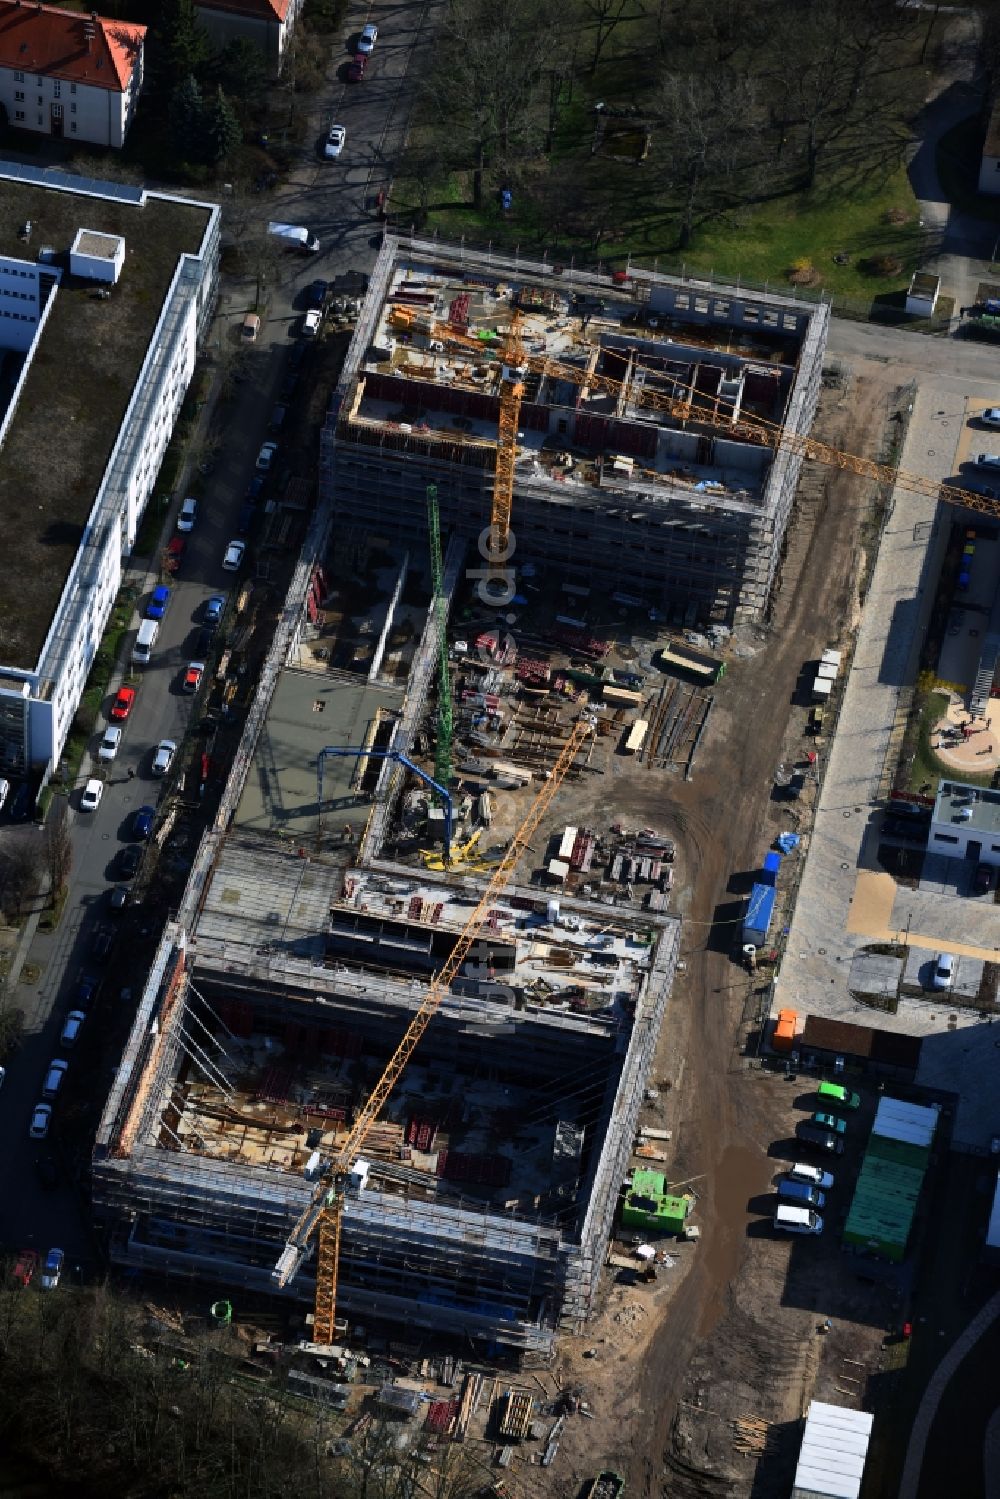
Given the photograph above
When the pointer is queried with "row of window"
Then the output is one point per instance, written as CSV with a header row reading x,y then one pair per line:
x,y
14,270
950,838
19,99
23,296
19,115
40,79
19,317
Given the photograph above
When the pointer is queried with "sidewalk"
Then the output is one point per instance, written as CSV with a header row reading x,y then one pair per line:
x,y
815,970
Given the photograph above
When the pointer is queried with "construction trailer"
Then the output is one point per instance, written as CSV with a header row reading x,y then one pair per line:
x,y
891,1179
686,517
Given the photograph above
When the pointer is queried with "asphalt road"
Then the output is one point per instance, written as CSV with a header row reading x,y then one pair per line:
x,y
334,199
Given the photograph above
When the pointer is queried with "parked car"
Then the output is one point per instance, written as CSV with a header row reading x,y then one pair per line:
x,y
250,328
174,553
193,675
58,1068
158,601
987,461
91,797
831,1122
47,1172
118,894
71,1029
367,39
317,293
25,1266
256,486
129,860
277,421
188,515
213,608
812,1175
311,323
41,1118
837,1095
266,456
990,417
233,560
335,139
52,1269
245,519
821,1139
142,822
982,879
943,975
356,68
122,705
163,757
801,1192
101,944
110,743
86,988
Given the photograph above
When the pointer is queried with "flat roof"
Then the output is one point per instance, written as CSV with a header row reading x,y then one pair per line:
x,y
967,807
833,1451
309,712
77,390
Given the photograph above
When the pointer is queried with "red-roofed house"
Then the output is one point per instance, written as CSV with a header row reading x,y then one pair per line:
x,y
63,73
267,23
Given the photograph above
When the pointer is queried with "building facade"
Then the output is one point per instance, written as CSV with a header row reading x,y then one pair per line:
x,y
268,24
69,75
48,641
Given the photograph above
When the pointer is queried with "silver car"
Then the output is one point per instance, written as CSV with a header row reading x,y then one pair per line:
x,y
164,757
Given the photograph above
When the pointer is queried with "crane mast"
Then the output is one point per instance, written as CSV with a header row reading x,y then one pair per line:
x,y
445,721
324,1213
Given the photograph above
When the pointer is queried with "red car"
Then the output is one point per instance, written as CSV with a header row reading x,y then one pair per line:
x,y
193,676
27,1264
356,68
175,551
122,705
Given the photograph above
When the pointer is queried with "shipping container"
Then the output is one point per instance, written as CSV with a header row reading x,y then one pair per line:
x,y
621,695
772,864
677,657
759,913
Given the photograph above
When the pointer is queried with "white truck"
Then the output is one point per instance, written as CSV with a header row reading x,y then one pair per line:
x,y
295,237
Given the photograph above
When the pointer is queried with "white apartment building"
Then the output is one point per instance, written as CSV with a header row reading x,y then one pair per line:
x,y
67,74
105,294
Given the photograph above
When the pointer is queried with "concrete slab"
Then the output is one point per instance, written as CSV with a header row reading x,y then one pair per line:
x,y
875,973
919,971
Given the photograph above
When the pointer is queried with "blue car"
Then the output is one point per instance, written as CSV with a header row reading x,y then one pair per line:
x,y
255,488
159,599
142,822
214,608
86,988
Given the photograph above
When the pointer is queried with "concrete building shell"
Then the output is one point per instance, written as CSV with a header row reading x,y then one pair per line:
x,y
694,519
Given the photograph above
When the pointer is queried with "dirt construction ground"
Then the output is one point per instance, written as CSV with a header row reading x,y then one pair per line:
x,y
728,1334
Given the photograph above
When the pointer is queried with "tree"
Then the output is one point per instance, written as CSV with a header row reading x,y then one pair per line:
x,y
707,136
187,116
58,846
241,72
178,47
20,869
605,16
221,127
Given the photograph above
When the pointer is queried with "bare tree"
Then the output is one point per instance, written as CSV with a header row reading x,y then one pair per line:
x,y
606,16
20,870
58,846
707,133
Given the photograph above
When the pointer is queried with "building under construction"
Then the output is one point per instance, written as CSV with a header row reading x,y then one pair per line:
x,y
632,463
484,1199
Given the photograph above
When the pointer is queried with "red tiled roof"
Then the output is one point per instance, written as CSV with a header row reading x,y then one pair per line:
x,y
254,10
67,44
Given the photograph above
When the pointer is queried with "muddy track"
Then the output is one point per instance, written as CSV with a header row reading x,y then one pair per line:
x,y
720,821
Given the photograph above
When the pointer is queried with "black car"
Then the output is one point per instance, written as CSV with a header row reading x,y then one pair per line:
x,y
821,1139
103,942
982,879
317,294
129,860
906,828
47,1171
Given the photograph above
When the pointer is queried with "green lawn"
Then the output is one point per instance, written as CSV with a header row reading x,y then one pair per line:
x,y
762,244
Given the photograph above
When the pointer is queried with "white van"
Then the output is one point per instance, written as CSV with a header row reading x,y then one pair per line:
x,y
4,791
798,1221
142,651
53,1078
811,1175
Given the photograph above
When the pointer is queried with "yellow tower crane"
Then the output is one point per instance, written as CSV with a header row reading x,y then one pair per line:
x,y
717,414
325,1211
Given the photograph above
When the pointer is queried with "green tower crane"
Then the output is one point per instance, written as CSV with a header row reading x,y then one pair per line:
x,y
442,754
